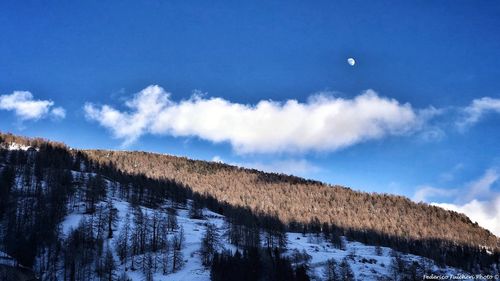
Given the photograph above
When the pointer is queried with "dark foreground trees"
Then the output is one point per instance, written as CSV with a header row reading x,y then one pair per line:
x,y
255,264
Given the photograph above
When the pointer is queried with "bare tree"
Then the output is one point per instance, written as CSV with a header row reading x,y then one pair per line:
x,y
330,272
209,244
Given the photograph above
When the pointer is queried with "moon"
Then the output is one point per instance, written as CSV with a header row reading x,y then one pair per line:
x,y
351,61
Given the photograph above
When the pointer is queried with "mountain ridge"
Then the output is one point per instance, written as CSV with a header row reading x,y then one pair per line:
x,y
204,168
301,205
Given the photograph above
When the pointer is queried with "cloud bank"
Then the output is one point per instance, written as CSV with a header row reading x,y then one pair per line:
x,y
25,107
323,123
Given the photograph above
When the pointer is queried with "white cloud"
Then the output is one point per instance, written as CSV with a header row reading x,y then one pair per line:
x,y
58,112
479,202
323,123
426,192
146,107
431,134
482,186
478,107
26,108
485,212
217,159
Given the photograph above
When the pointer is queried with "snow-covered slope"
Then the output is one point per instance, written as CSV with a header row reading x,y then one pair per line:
x,y
367,262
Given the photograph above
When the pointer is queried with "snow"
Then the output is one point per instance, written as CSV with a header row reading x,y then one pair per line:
x,y
373,267
363,259
193,231
71,222
16,146
5,259
322,251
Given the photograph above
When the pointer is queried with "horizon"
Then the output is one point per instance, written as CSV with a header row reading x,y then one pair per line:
x,y
397,98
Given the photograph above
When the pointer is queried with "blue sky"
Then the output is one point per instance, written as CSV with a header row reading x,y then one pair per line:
x,y
417,115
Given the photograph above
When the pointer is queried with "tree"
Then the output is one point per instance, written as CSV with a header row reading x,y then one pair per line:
x,y
330,272
171,220
7,177
122,243
301,273
95,190
177,256
397,266
209,244
148,268
123,277
111,217
196,211
346,273
156,227
109,265
165,256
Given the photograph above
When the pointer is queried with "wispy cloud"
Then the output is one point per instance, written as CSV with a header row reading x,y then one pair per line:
x,y
425,192
25,107
451,174
476,110
323,123
481,188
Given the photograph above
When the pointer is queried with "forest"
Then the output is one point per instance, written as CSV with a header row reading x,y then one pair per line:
x,y
41,185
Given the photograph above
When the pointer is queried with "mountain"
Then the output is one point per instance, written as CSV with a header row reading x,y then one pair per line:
x,y
63,214
297,201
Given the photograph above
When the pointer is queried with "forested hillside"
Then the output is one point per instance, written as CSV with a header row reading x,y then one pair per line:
x,y
42,183
297,201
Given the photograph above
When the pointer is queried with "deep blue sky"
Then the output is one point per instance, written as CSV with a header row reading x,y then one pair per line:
x,y
427,53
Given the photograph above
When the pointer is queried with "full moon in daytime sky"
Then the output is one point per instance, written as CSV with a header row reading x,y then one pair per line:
x,y
351,61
